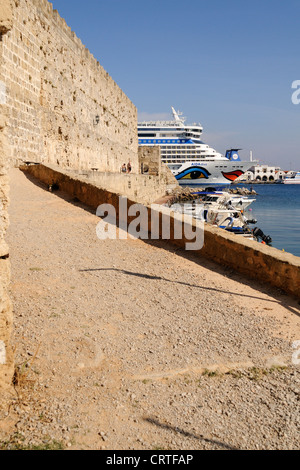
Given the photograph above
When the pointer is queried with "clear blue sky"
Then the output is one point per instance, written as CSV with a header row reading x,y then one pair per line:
x,y
228,64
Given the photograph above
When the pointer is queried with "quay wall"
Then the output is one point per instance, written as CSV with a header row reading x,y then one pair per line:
x,y
63,107
255,260
141,188
6,355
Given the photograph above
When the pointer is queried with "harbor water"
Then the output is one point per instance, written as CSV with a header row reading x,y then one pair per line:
x,y
277,210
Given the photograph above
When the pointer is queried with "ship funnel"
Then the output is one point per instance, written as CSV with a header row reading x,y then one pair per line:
x,y
233,154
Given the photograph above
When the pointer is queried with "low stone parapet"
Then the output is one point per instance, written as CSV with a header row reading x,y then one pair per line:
x,y
250,258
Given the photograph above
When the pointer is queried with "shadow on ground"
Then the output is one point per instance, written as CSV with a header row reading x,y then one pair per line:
x,y
177,430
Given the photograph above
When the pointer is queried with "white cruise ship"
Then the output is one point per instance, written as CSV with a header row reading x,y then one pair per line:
x,y
191,161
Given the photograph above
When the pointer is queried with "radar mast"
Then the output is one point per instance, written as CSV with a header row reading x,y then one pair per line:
x,y
177,117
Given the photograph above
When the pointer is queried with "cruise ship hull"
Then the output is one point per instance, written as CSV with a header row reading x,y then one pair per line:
x,y
208,172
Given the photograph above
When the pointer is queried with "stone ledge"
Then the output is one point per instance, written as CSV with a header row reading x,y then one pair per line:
x,y
139,188
252,259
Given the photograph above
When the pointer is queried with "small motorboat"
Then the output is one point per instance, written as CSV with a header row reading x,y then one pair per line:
x,y
223,198
223,214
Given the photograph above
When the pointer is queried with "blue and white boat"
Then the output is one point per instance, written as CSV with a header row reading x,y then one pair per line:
x,y
191,161
295,179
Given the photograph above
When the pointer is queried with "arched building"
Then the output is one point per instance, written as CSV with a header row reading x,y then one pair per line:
x,y
264,173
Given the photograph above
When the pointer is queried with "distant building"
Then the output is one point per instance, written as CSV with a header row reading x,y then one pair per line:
x,y
264,173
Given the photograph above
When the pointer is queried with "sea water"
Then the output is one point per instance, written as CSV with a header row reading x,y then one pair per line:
x,y
277,210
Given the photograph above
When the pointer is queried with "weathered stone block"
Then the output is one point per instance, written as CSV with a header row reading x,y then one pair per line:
x,y
64,108
5,16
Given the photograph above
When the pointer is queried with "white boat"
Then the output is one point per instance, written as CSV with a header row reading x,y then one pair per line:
x,y
191,161
221,213
295,179
225,217
231,221
225,198
237,223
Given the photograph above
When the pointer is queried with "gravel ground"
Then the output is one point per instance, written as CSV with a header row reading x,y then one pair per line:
x,y
126,344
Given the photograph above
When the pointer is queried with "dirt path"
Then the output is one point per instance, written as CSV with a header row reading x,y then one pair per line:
x,y
140,347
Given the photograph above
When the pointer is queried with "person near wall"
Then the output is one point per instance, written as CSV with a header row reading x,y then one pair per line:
x,y
123,168
128,167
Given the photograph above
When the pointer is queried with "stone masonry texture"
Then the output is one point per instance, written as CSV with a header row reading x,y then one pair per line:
x,y
57,106
6,359
64,108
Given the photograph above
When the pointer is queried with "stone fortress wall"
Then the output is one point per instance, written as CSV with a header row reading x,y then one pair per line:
x,y
56,93
6,356
59,107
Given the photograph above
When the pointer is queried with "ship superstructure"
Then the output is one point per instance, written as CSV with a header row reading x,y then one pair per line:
x,y
189,158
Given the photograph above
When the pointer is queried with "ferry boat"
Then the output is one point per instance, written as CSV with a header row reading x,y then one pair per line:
x,y
295,179
191,161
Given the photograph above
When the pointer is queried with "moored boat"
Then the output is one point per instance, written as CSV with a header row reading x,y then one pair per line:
x,y
223,214
295,179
